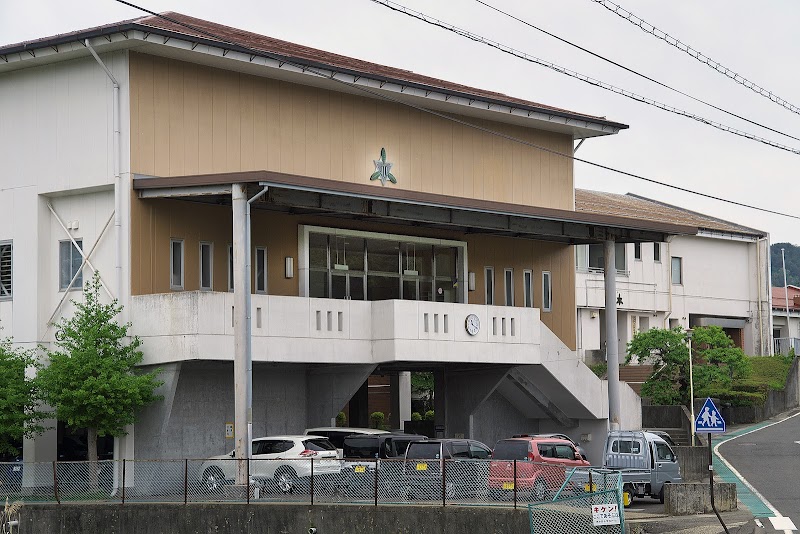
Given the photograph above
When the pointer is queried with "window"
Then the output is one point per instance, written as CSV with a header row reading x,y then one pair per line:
x,y
664,453
489,278
476,450
657,252
261,270
206,266
637,251
677,270
230,267
626,446
596,258
5,270
527,279
460,449
70,259
176,263
509,286
547,291
565,452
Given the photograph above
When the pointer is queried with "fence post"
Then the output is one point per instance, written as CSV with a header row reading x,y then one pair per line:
x,y
515,484
55,483
444,482
376,482
123,481
185,480
248,480
312,481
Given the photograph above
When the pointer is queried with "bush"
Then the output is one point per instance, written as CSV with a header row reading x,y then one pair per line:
x,y
600,369
736,398
377,420
429,415
416,416
341,419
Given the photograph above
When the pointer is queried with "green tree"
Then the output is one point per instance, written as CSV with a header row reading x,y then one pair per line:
x,y
20,416
91,381
422,387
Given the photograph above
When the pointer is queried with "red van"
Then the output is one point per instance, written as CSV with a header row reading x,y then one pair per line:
x,y
541,465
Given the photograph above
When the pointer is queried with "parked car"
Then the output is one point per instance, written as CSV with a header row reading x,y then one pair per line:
x,y
541,463
464,474
10,474
646,460
665,436
336,434
284,460
559,436
364,452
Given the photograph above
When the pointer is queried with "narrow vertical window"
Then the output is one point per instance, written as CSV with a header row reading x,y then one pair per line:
x,y
527,280
657,252
206,266
5,270
230,267
547,291
176,264
261,270
70,260
677,270
637,251
489,279
508,276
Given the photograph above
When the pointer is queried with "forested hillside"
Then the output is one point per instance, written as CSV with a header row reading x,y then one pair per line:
x,y
792,253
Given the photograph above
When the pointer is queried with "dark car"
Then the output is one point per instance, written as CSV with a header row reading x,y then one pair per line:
x,y
463,461
10,474
363,453
665,436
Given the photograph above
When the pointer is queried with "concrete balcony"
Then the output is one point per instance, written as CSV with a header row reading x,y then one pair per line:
x,y
199,326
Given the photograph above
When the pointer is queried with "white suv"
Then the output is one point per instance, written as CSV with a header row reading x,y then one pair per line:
x,y
282,459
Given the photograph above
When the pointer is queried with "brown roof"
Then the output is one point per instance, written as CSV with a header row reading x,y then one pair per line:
x,y
638,207
234,38
779,297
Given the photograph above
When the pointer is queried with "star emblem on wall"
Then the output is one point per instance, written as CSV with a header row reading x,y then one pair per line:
x,y
383,169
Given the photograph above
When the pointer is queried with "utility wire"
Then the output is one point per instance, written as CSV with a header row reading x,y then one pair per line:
x,y
582,77
444,116
693,52
632,71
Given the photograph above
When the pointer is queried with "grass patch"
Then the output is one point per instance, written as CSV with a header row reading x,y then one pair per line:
x,y
768,372
600,369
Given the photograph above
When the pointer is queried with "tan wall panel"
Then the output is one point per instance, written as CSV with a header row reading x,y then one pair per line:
x,y
155,222
190,119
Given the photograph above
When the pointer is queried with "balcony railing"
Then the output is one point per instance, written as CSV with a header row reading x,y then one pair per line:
x,y
784,345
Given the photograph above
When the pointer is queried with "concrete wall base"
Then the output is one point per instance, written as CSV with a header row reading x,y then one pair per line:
x,y
695,498
152,518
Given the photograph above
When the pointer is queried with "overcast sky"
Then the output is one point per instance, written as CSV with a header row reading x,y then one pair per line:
x,y
757,39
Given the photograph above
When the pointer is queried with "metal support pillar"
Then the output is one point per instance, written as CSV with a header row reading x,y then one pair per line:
x,y
612,340
241,377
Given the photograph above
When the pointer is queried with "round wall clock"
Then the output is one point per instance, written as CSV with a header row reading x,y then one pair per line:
x,y
472,324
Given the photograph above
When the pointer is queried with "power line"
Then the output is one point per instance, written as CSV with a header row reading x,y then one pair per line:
x,y
582,77
699,56
632,71
444,116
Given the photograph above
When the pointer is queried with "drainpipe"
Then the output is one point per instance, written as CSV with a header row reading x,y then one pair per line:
x,y
786,294
116,157
758,298
668,261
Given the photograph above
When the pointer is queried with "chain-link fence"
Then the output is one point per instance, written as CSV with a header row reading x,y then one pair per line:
x,y
306,480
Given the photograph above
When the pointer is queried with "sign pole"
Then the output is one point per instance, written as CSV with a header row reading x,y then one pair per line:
x,y
711,482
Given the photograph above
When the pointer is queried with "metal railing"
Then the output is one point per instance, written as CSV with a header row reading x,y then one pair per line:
x,y
307,481
782,345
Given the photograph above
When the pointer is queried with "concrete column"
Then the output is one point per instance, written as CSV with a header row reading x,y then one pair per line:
x,y
404,397
241,378
439,403
612,339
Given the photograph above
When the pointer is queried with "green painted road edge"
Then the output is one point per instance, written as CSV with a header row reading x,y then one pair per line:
x,y
753,503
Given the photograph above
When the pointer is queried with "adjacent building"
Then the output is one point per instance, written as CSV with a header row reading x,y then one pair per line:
x,y
786,319
720,276
397,223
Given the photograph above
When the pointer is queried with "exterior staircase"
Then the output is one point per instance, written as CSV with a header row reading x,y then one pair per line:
x,y
635,375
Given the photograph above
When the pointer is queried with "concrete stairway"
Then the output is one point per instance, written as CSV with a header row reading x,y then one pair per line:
x,y
635,375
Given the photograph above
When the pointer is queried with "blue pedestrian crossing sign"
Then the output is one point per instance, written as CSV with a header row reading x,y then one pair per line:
x,y
709,420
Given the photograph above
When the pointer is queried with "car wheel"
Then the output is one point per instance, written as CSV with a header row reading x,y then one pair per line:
x,y
539,491
213,480
286,479
661,494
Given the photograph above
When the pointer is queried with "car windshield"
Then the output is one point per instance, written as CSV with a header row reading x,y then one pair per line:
x,y
511,449
318,444
360,447
429,451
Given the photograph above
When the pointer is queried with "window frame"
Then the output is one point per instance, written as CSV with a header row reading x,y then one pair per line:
x,y
264,278
9,295
172,242
547,291
210,245
527,289
508,285
657,252
488,279
78,285
637,251
672,270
